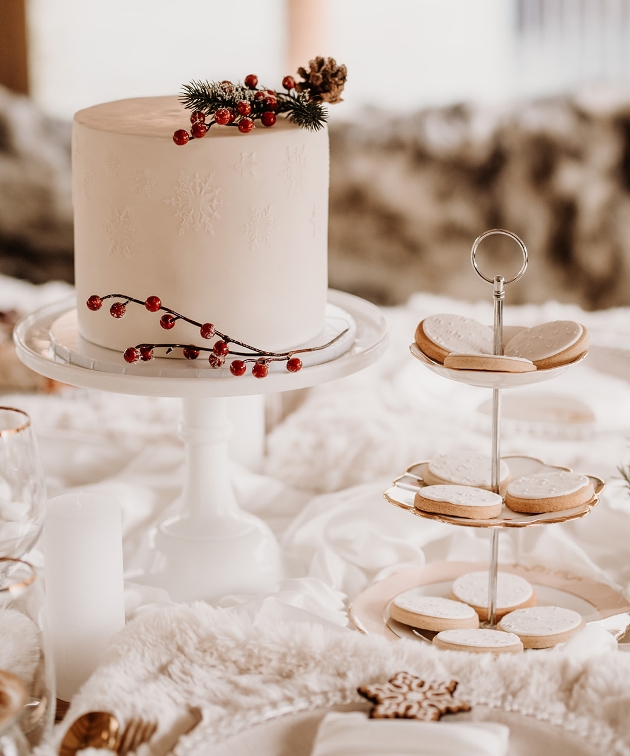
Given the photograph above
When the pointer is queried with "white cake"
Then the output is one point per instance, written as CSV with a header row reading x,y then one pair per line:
x,y
230,229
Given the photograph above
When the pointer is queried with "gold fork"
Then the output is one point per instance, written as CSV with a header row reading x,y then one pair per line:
x,y
137,732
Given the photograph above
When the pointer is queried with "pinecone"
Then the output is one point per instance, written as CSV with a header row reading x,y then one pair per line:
x,y
324,81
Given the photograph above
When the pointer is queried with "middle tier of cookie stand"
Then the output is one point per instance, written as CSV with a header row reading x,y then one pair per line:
x,y
497,382
211,548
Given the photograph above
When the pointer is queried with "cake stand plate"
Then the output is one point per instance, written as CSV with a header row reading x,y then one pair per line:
x,y
211,548
403,491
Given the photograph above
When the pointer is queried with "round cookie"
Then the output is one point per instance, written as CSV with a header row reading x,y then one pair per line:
x,y
459,501
553,491
496,363
464,468
542,626
481,641
513,592
439,335
432,612
550,345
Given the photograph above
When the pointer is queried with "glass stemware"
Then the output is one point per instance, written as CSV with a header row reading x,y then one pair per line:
x,y
24,644
22,488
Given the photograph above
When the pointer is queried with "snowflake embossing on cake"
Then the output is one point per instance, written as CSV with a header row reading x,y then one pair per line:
x,y
197,202
406,696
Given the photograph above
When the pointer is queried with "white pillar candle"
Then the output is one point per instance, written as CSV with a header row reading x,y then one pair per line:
x,y
84,583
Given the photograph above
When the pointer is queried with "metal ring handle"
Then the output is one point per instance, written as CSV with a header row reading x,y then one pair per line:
x,y
503,232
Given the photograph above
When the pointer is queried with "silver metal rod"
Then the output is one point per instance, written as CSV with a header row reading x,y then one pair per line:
x,y
492,578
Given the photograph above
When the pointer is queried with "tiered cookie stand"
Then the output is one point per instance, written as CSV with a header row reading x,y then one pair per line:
x,y
402,493
211,548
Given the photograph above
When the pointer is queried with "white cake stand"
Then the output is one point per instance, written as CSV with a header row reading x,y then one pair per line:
x,y
211,548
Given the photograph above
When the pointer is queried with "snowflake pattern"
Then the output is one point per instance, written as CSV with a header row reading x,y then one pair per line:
x,y
408,697
142,181
294,169
260,227
247,164
112,164
120,232
196,202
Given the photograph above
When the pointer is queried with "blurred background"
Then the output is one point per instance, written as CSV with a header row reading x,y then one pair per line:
x,y
459,116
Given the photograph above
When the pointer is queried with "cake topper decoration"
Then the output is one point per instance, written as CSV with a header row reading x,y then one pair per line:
x,y
219,351
406,696
227,104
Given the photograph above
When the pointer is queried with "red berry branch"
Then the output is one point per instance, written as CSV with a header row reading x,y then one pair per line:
x,y
240,105
219,351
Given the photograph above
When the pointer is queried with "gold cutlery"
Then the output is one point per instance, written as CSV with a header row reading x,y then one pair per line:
x,y
99,729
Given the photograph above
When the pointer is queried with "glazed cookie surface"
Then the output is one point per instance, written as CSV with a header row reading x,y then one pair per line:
x,y
494,363
439,335
459,501
513,592
464,468
550,344
480,641
542,626
552,491
432,612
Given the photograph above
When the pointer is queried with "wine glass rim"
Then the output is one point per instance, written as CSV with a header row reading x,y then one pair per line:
x,y
26,424
24,582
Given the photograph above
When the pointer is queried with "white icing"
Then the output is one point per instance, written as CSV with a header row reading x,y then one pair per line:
x,y
467,468
544,340
210,227
481,638
546,485
465,496
455,333
472,588
541,620
433,606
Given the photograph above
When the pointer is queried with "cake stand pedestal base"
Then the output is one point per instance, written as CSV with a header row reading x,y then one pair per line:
x,y
211,548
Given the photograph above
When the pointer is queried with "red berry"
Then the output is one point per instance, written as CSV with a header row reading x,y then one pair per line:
x,y
260,95
191,353
94,303
288,82
167,321
244,108
207,330
227,86
268,118
199,129
271,102
197,115
245,125
181,136
294,365
146,353
251,81
222,116
216,361
232,116
260,369
132,354
153,304
220,348
117,310
238,367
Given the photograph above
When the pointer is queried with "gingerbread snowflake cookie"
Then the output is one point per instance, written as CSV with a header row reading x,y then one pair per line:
x,y
459,501
464,468
551,491
406,696
439,335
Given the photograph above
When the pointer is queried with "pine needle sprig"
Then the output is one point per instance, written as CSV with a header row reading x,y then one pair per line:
x,y
304,112
625,474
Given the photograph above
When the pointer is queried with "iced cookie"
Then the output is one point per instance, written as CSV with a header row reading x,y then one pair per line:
x,y
439,335
459,501
432,612
481,641
550,345
552,491
463,468
513,592
542,626
495,363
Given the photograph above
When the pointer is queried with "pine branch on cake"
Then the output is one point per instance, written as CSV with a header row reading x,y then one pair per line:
x,y
240,105
220,350
625,474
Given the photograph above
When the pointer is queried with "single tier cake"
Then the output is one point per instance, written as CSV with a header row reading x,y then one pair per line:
x,y
230,229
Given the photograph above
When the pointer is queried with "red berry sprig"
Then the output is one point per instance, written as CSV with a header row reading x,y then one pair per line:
x,y
218,352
